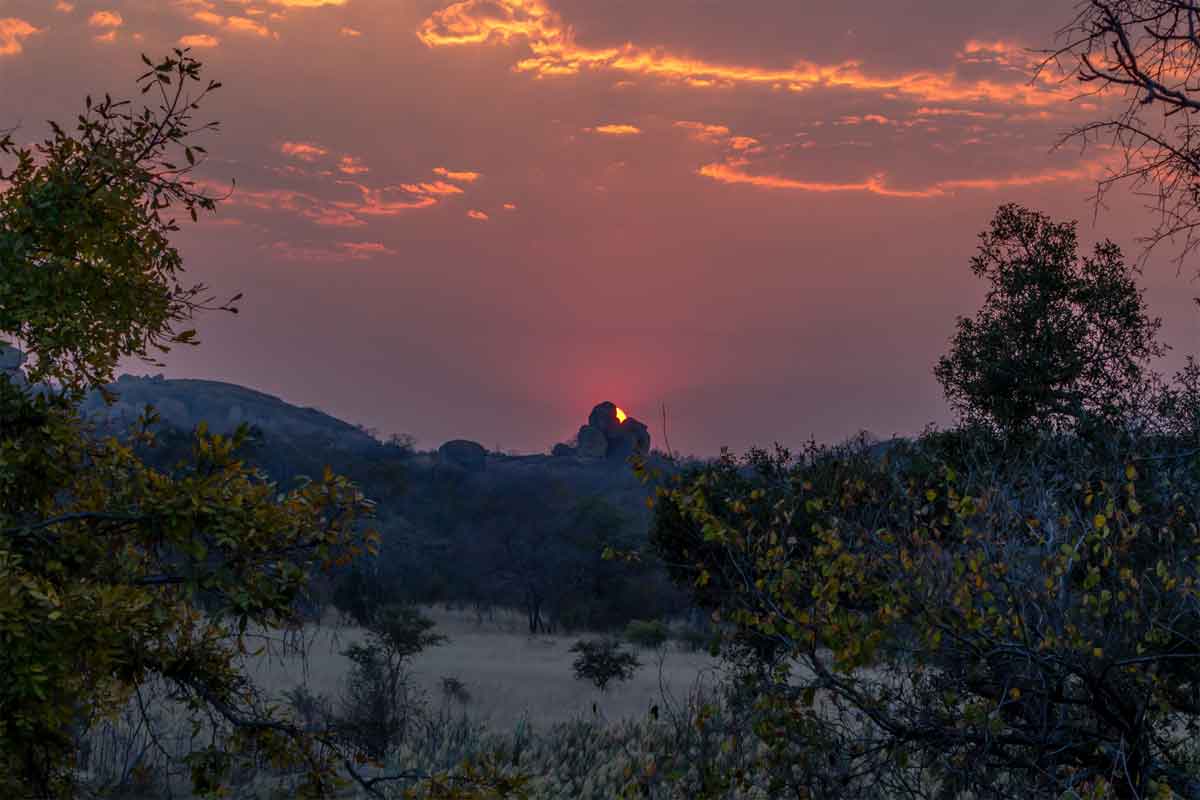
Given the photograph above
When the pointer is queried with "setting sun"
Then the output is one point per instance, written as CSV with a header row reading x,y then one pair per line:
x,y
621,416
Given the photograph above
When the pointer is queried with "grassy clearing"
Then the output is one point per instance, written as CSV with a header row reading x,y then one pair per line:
x,y
509,674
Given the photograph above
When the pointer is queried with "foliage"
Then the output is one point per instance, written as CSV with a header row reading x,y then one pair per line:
x,y
89,273
646,633
1059,342
603,661
973,628
104,558
376,707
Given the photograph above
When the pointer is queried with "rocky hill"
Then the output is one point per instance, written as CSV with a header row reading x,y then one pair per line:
x,y
184,403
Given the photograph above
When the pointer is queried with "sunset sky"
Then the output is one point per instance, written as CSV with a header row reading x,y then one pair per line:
x,y
478,219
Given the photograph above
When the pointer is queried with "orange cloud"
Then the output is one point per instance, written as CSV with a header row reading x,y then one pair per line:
x,y
199,40
349,165
383,202
339,252
510,206
479,215
461,177
744,143
555,51
13,32
106,19
615,130
305,151
350,32
63,7
926,111
701,132
233,24
435,188
306,3
732,174
247,25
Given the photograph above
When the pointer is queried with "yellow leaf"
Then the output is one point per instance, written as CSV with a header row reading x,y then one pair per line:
x,y
1099,521
1130,472
1014,693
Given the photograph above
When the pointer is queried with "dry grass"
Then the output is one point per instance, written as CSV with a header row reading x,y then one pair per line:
x,y
509,674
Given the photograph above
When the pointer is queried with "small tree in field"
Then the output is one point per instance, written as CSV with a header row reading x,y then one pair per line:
x,y
1059,342
376,706
603,661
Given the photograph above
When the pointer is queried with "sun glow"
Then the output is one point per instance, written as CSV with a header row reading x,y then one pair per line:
x,y
621,416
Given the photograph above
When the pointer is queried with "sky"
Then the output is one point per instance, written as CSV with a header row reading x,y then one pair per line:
x,y
478,219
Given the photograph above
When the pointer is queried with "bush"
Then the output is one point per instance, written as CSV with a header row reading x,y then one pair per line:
x,y
379,703
602,661
1020,626
694,639
646,633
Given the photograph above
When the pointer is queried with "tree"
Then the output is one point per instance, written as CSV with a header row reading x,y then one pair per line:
x,y
376,706
1059,341
603,661
1147,50
976,629
104,559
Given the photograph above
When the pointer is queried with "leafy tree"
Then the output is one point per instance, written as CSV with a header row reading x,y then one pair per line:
x,y
1059,342
969,629
103,558
376,708
603,661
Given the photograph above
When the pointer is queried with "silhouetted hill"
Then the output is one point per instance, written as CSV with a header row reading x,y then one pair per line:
x,y
459,524
184,403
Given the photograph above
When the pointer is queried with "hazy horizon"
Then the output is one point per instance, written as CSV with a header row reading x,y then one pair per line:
x,y
479,219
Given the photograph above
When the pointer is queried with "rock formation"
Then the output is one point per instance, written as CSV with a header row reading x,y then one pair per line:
x,y
592,443
471,456
607,436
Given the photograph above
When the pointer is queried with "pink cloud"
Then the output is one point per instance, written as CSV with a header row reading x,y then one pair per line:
x,y
461,177
703,132
199,40
338,252
615,130
13,32
877,184
106,19
477,214
305,151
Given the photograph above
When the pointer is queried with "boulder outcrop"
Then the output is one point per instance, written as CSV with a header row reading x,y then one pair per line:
x,y
471,456
592,443
608,436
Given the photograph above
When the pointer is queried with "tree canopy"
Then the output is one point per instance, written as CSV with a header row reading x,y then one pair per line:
x,y
1060,341
115,575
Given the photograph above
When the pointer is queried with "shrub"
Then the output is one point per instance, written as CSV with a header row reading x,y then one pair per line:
x,y
693,639
602,661
379,702
1018,627
455,689
646,633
